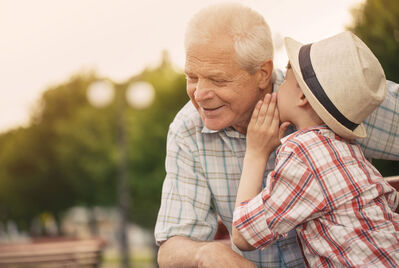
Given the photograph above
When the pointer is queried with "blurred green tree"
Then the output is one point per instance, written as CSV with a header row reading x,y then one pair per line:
x,y
376,22
67,155
147,133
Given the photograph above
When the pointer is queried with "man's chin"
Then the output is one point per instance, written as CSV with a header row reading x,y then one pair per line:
x,y
213,128
211,125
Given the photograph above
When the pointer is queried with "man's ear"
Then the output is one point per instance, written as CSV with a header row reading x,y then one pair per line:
x,y
265,74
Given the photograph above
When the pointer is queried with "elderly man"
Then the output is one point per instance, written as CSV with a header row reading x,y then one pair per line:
x,y
229,68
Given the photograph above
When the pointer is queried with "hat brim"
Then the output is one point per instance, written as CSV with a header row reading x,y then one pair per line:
x,y
292,47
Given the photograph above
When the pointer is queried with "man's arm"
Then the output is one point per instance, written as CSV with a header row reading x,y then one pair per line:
x,y
186,217
179,251
183,214
382,126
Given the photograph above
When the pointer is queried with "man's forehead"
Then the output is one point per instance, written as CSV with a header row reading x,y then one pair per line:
x,y
207,71
216,66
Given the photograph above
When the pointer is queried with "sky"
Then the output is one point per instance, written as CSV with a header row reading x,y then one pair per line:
x,y
44,42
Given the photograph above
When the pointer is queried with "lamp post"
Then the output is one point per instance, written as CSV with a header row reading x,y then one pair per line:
x,y
139,95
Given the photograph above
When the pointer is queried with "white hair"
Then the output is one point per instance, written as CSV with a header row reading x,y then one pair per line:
x,y
252,40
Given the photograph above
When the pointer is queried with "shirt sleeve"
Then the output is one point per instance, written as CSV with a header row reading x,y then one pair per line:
x,y
291,197
382,126
186,199
393,199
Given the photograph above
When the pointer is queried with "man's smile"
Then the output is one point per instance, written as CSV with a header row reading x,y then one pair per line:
x,y
211,111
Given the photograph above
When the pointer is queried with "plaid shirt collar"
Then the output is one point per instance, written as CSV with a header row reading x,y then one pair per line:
x,y
292,135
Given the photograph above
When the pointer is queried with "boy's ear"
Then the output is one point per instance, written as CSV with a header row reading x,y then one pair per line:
x,y
265,74
302,101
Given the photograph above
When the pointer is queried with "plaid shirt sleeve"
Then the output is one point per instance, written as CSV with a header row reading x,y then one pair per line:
x,y
290,197
382,126
186,199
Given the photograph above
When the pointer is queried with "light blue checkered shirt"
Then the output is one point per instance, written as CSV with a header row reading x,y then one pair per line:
x,y
204,167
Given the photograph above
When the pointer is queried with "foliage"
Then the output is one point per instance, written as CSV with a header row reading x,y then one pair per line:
x,y
67,156
147,140
376,22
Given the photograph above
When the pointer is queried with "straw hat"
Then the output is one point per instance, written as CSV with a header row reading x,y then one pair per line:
x,y
342,80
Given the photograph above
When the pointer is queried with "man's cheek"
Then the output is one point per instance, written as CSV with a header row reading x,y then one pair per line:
x,y
190,93
190,90
195,104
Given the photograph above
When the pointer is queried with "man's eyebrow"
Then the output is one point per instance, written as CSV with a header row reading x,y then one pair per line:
x,y
217,74
210,74
187,72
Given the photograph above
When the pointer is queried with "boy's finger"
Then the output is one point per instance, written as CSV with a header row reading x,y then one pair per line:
x,y
255,112
276,119
271,109
263,109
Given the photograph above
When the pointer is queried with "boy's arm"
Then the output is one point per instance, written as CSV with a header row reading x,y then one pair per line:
x,y
263,136
250,186
290,197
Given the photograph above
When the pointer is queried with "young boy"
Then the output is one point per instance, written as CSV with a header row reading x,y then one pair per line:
x,y
322,185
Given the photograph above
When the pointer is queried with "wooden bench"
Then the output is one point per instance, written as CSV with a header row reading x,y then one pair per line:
x,y
53,253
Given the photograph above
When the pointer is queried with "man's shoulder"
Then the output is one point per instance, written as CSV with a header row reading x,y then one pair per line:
x,y
187,120
278,77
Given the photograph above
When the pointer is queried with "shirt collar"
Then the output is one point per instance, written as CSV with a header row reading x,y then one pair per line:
x,y
232,133
323,128
207,130
284,139
229,131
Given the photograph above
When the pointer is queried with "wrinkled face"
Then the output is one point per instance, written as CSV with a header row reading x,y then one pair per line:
x,y
287,96
223,93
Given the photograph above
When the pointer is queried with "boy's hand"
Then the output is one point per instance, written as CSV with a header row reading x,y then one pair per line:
x,y
264,133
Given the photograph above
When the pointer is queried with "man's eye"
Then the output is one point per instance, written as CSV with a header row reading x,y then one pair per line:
x,y
219,82
191,78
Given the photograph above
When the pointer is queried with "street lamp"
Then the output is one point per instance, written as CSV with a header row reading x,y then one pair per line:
x,y
139,95
100,93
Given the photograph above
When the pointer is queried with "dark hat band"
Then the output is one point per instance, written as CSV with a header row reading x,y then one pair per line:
x,y
310,78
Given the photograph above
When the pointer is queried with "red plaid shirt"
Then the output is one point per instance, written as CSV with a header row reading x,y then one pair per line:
x,y
340,206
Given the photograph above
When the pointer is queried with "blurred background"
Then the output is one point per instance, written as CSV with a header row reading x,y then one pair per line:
x,y
88,90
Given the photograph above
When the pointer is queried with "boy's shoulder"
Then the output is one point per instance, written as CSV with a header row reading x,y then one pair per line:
x,y
307,139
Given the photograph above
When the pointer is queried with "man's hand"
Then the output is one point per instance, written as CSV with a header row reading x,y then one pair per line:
x,y
264,133
179,251
217,254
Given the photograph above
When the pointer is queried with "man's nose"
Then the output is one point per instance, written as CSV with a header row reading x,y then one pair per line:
x,y
203,91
